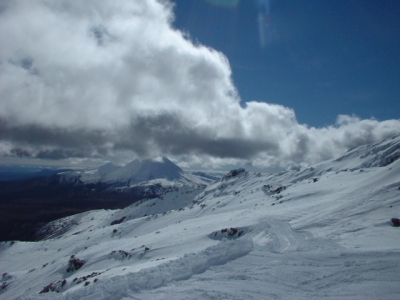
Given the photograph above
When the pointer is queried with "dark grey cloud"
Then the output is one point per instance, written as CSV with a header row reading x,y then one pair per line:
x,y
37,135
169,134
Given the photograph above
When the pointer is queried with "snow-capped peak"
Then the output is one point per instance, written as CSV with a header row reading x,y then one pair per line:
x,y
107,168
144,170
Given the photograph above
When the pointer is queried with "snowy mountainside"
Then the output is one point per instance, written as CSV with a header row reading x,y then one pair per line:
x,y
373,155
359,159
319,233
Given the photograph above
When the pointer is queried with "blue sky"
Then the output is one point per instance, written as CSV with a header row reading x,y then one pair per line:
x,y
325,57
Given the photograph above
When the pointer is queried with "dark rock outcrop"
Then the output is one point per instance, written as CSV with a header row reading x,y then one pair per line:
x,y
75,263
234,173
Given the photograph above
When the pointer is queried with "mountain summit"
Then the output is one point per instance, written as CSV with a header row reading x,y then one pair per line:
x,y
106,169
144,170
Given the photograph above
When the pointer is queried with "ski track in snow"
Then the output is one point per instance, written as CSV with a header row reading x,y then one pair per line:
x,y
320,233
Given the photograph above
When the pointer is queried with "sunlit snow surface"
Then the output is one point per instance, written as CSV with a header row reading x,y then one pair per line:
x,y
319,233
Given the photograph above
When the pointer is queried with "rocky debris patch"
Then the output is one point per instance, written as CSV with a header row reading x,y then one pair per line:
x,y
75,264
120,254
146,248
123,254
230,233
54,287
3,285
85,279
270,190
395,222
4,281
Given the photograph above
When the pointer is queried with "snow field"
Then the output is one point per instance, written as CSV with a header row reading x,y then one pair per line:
x,y
320,233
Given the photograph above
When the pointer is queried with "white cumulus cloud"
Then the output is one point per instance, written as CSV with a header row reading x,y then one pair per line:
x,y
97,78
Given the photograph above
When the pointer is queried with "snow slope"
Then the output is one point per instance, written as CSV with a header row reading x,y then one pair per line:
x,y
319,233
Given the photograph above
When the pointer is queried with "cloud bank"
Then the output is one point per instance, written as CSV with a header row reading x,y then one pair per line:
x,y
97,78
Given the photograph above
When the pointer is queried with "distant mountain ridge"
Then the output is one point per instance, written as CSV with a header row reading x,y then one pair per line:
x,y
51,194
16,172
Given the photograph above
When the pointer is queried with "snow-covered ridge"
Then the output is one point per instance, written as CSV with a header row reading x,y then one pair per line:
x,y
324,232
359,159
374,155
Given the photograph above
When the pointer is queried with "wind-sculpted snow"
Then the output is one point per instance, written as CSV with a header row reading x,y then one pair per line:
x,y
182,268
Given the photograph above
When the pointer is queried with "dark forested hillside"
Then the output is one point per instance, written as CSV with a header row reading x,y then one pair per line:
x,y
26,204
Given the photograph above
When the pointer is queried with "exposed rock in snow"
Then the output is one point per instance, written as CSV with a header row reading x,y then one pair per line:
x,y
229,233
234,173
119,221
75,264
